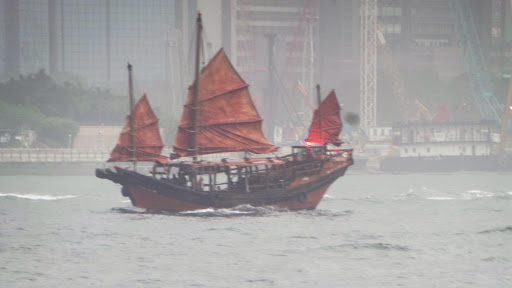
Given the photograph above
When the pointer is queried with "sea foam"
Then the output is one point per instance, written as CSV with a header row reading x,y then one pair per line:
x,y
471,194
439,198
36,197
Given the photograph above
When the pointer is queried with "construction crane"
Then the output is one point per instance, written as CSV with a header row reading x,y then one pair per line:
x,y
302,51
505,121
411,109
476,68
407,110
298,73
423,112
245,43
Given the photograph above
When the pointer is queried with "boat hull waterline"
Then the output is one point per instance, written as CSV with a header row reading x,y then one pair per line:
x,y
148,192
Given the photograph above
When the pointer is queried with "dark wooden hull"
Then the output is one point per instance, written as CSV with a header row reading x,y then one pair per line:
x,y
146,191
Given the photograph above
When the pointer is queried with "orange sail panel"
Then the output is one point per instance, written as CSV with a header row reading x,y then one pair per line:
x,y
148,141
227,118
328,130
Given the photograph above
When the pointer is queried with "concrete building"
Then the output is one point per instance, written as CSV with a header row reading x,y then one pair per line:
x,y
273,44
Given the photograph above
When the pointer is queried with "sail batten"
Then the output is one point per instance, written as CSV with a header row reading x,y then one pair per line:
x,y
210,97
326,124
227,119
148,141
222,123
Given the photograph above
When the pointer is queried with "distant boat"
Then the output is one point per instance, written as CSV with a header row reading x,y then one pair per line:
x,y
220,117
445,147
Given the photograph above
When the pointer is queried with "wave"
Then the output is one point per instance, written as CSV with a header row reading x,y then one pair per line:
x,y
238,211
502,229
439,198
37,197
432,194
472,194
242,210
430,190
376,246
320,212
210,212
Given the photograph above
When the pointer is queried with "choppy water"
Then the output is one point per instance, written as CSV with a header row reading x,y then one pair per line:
x,y
449,230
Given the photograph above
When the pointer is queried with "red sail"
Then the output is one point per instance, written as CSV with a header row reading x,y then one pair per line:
x,y
227,118
329,129
148,141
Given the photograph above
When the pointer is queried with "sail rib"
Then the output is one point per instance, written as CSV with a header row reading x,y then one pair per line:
x,y
141,127
222,123
209,98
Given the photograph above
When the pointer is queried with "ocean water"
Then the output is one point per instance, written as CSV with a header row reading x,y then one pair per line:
x,y
417,230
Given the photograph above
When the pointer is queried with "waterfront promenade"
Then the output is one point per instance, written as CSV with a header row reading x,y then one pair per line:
x,y
52,161
35,155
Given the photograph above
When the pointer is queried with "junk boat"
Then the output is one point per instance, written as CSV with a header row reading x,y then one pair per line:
x,y
219,116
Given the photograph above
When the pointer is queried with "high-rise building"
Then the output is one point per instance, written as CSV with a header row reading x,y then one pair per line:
x,y
289,43
501,36
338,53
274,45
93,40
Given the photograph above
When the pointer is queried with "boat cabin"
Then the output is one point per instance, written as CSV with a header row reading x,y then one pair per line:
x,y
226,175
303,153
246,175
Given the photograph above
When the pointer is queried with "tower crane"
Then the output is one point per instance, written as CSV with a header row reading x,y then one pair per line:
x,y
507,116
405,104
411,109
302,51
245,43
298,73
476,68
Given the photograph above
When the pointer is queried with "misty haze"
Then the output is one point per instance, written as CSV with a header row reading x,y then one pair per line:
x,y
256,143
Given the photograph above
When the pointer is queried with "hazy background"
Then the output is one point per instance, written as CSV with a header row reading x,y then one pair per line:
x,y
275,45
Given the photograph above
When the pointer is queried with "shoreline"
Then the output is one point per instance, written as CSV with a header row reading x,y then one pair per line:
x,y
49,168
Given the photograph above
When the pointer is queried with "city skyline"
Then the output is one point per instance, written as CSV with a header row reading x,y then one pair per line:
x,y
94,40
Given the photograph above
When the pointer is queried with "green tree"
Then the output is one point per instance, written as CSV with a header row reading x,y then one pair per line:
x,y
56,109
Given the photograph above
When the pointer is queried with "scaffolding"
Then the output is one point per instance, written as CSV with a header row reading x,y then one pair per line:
x,y
368,77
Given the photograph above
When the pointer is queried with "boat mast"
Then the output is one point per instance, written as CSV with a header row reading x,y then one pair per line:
x,y
319,100
195,95
132,129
